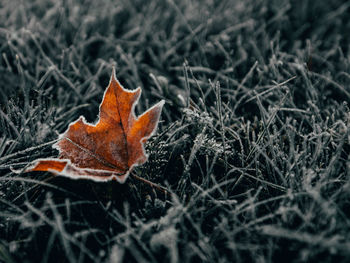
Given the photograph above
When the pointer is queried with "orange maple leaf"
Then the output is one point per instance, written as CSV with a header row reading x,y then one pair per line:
x,y
109,149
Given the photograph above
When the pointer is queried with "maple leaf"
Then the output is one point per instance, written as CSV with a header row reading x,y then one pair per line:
x,y
109,149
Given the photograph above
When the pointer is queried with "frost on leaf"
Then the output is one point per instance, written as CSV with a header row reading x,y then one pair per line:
x,y
109,149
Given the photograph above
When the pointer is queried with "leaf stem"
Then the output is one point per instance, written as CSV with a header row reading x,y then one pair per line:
x,y
153,185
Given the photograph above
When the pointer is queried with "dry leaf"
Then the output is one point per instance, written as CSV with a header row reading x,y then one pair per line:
x,y
109,149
